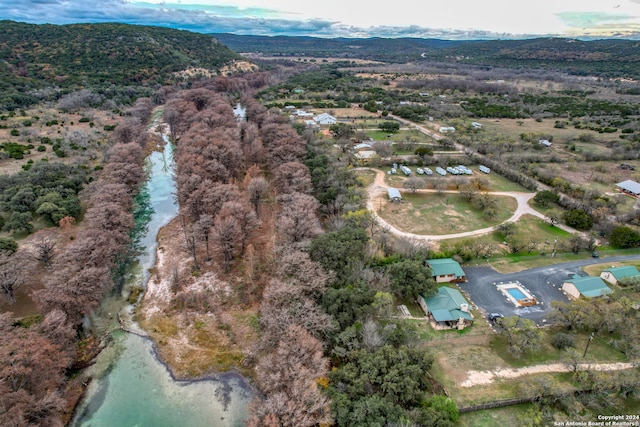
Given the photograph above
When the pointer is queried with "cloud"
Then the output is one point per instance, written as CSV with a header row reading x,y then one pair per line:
x,y
250,20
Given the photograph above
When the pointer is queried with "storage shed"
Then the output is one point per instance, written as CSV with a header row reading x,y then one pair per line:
x,y
394,195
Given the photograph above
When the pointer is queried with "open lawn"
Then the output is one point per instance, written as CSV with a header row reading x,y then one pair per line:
x,y
527,229
444,213
514,127
410,136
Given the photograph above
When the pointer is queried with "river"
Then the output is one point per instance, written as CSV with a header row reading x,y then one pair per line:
x,y
131,386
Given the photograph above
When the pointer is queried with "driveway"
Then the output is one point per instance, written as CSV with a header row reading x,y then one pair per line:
x,y
543,282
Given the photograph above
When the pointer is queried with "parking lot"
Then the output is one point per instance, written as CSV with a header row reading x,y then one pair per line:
x,y
544,283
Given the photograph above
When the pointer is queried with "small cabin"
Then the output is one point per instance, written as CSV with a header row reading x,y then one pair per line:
x,y
446,270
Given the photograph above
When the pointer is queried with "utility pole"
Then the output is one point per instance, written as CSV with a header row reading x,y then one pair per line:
x,y
555,241
588,342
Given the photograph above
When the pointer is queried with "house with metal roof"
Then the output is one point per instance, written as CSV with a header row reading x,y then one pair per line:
x,y
614,274
325,119
447,309
629,187
446,270
588,287
394,195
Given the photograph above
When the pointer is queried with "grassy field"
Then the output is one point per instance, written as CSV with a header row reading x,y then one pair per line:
x,y
514,127
411,136
441,213
454,358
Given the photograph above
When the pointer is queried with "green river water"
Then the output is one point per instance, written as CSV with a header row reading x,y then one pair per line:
x,y
130,386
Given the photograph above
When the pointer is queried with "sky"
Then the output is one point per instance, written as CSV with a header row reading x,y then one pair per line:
x,y
448,19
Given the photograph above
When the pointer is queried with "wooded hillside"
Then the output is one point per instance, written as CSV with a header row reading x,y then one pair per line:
x,y
80,55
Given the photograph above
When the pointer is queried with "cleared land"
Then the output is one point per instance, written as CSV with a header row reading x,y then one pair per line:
x,y
441,213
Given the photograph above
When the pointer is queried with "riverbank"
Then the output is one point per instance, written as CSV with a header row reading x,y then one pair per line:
x,y
192,316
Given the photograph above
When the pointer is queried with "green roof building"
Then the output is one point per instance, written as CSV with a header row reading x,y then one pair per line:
x,y
588,287
614,274
446,270
447,309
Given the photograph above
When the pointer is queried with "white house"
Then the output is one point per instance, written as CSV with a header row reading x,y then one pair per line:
x,y
302,113
325,119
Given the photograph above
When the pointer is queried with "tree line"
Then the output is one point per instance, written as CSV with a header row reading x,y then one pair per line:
x,y
79,273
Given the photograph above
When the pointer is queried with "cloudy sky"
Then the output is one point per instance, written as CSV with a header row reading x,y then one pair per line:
x,y
350,18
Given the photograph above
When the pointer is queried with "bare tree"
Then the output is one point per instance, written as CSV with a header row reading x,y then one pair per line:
x,y
288,376
298,220
371,338
190,241
413,183
44,246
203,228
12,275
292,176
225,236
245,217
257,190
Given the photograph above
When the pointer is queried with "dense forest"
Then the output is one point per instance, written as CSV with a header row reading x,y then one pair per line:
x,y
40,61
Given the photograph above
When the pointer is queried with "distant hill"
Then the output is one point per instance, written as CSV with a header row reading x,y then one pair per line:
x,y
379,49
611,58
81,55
614,58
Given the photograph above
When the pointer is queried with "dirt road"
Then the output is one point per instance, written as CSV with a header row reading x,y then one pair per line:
x,y
475,378
379,189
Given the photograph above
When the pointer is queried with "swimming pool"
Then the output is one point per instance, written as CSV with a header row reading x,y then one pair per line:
x,y
516,293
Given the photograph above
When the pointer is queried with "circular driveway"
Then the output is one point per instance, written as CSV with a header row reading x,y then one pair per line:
x,y
379,188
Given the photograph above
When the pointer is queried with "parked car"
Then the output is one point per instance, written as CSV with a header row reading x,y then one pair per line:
x,y
493,317
595,254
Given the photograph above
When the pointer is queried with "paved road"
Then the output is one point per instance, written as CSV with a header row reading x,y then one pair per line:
x,y
379,189
543,282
